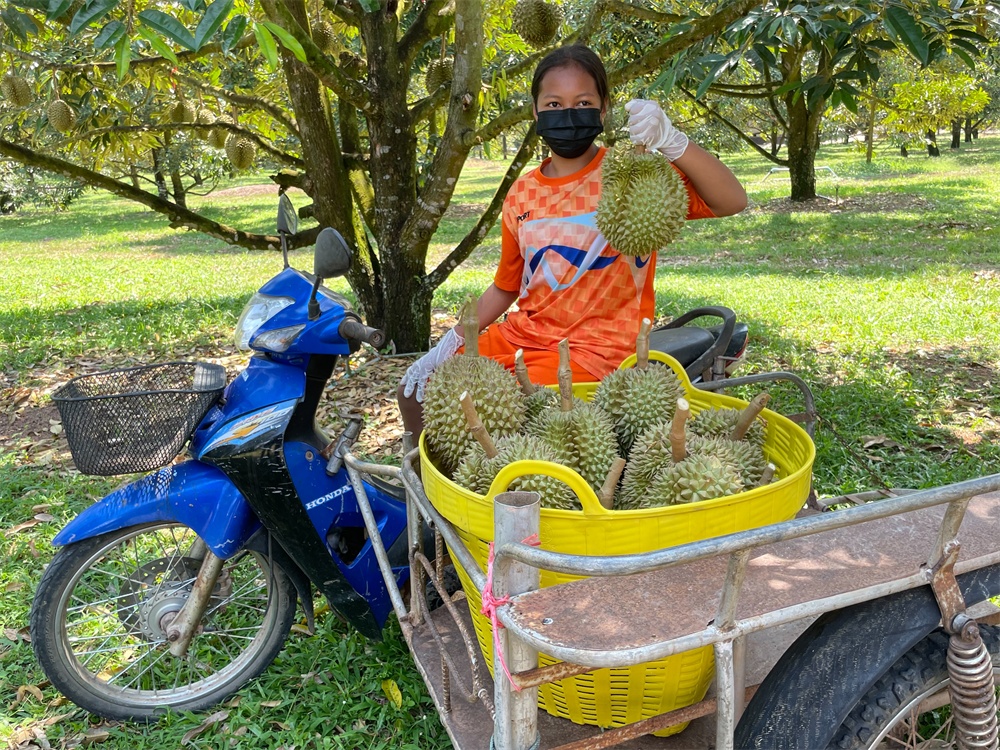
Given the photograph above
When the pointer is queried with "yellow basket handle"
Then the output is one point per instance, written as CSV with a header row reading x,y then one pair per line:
x,y
666,359
588,499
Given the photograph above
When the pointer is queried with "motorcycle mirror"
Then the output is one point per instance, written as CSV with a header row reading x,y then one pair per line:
x,y
333,255
288,220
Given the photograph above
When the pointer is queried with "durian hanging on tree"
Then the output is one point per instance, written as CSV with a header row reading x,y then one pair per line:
x,y
494,390
637,398
61,116
536,21
182,111
643,203
218,136
16,90
241,151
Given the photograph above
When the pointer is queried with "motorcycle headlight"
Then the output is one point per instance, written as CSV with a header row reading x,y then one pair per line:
x,y
260,309
279,339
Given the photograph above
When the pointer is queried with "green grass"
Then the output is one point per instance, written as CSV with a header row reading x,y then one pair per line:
x,y
887,303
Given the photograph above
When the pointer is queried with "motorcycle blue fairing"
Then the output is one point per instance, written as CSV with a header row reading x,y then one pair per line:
x,y
193,493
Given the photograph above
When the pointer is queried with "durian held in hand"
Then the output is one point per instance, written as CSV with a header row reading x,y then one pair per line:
x,y
643,202
637,398
492,388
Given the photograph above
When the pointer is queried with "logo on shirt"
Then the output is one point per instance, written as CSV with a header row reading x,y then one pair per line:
x,y
524,216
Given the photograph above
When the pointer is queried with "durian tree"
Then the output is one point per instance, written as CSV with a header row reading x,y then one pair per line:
x,y
333,92
804,57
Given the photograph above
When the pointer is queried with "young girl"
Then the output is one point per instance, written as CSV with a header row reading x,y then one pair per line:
x,y
567,280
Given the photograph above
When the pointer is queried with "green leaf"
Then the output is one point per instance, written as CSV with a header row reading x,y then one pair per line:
x,y
169,26
233,33
123,56
289,41
211,22
849,101
266,43
21,24
109,35
89,13
193,5
39,5
964,57
158,44
369,6
901,25
57,8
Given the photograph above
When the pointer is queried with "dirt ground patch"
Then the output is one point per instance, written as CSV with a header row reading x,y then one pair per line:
x,y
874,203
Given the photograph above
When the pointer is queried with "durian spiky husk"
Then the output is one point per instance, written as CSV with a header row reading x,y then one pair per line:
x,y
61,115
746,458
241,152
16,90
182,111
476,472
635,400
438,74
494,391
651,453
582,439
693,480
643,202
720,423
536,403
217,137
325,37
536,21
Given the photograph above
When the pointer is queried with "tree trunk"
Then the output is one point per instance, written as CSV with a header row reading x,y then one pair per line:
x,y
133,173
932,149
503,145
903,152
956,133
775,141
870,132
161,181
968,130
180,194
803,143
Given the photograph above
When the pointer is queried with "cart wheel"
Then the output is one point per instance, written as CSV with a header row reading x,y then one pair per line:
x,y
907,707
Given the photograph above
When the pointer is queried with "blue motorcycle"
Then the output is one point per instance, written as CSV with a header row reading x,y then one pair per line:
x,y
176,589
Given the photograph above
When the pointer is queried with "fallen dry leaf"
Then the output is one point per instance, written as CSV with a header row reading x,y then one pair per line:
x,y
207,724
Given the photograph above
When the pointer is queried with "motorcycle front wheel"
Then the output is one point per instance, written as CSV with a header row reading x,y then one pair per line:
x,y
101,610
909,706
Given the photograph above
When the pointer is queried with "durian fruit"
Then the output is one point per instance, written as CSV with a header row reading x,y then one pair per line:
x,y
536,21
16,90
663,472
580,433
61,116
637,398
325,37
735,424
536,398
241,151
205,118
643,202
182,111
217,137
492,388
485,459
438,74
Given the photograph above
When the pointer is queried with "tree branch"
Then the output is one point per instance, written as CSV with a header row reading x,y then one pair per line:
x,y
475,236
181,126
244,100
643,14
179,217
747,139
434,19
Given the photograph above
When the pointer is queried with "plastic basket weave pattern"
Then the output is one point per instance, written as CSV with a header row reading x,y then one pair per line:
x,y
136,419
613,697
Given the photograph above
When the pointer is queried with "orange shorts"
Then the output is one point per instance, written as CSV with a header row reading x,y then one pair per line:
x,y
542,364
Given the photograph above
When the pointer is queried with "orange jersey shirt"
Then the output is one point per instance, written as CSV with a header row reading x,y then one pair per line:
x,y
570,282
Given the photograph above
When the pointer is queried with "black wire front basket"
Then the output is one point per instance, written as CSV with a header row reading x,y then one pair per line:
x,y
136,419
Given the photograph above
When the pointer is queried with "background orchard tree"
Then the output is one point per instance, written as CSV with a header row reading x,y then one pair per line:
x,y
803,57
333,90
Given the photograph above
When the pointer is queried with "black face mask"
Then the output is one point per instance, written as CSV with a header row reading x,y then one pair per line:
x,y
569,132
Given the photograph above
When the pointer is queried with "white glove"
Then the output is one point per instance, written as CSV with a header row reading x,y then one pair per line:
x,y
649,125
415,378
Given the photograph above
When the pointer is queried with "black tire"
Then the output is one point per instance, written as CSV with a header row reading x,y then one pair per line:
x,y
257,589
921,673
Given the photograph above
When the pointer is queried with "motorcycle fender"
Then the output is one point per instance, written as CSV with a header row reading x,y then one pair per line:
x,y
193,493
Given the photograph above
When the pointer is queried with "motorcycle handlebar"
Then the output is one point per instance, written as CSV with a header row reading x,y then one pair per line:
x,y
355,330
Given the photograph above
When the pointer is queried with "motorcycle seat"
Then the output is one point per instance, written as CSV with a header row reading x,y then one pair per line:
x,y
685,344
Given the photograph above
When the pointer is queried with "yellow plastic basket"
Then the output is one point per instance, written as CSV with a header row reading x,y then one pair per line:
x,y
613,697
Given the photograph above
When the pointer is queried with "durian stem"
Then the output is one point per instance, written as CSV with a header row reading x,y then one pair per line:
x,y
565,375
768,475
521,371
678,431
642,345
607,493
476,427
640,149
444,46
469,320
748,415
